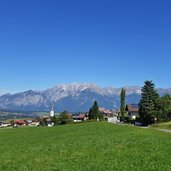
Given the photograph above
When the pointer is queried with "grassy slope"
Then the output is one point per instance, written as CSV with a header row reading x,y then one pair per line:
x,y
165,125
90,146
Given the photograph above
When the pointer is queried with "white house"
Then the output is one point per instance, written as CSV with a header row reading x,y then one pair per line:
x,y
50,124
3,124
113,119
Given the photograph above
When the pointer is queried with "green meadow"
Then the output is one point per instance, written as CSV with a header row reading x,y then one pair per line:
x,y
164,125
86,146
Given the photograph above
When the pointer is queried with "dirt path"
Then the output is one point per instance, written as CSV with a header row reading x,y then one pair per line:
x,y
163,130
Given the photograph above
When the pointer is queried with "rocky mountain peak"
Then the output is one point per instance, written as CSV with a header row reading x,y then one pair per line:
x,y
72,97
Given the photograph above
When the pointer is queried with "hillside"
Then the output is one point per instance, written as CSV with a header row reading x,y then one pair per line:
x,y
89,146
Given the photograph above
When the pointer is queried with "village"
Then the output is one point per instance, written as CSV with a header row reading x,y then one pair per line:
x,y
111,116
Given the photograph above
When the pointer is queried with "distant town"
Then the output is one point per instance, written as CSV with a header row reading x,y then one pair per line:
x,y
49,119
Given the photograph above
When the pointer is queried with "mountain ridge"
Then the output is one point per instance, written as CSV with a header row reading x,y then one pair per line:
x,y
71,97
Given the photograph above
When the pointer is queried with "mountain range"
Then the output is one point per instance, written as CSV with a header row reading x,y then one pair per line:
x,y
71,97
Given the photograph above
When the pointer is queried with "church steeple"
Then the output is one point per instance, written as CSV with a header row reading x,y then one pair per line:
x,y
52,112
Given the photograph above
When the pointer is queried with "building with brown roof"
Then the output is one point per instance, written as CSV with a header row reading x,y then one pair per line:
x,y
132,110
80,117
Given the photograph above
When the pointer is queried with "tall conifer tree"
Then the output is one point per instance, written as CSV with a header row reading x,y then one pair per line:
x,y
149,100
122,101
94,111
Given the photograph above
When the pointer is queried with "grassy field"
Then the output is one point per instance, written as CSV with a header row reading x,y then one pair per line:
x,y
165,125
88,146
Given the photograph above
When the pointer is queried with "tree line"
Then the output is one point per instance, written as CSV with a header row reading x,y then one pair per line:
x,y
152,107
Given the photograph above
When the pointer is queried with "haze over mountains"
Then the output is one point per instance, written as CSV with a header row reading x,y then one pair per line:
x,y
72,97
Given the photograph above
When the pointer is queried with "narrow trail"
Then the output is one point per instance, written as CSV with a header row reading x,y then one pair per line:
x,y
163,130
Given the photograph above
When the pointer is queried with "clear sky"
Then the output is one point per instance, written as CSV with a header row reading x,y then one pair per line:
x,y
107,42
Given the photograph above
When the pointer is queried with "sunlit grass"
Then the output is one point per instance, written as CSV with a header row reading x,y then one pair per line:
x,y
89,146
165,125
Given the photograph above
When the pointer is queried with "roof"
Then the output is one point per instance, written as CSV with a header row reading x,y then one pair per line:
x,y
28,121
80,116
4,123
132,107
20,122
105,111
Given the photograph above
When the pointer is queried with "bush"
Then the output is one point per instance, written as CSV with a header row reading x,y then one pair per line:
x,y
64,118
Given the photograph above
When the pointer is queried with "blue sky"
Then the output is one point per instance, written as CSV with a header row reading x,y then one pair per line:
x,y
109,43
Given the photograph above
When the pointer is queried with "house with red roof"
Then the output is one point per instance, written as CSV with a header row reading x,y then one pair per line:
x,y
17,123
